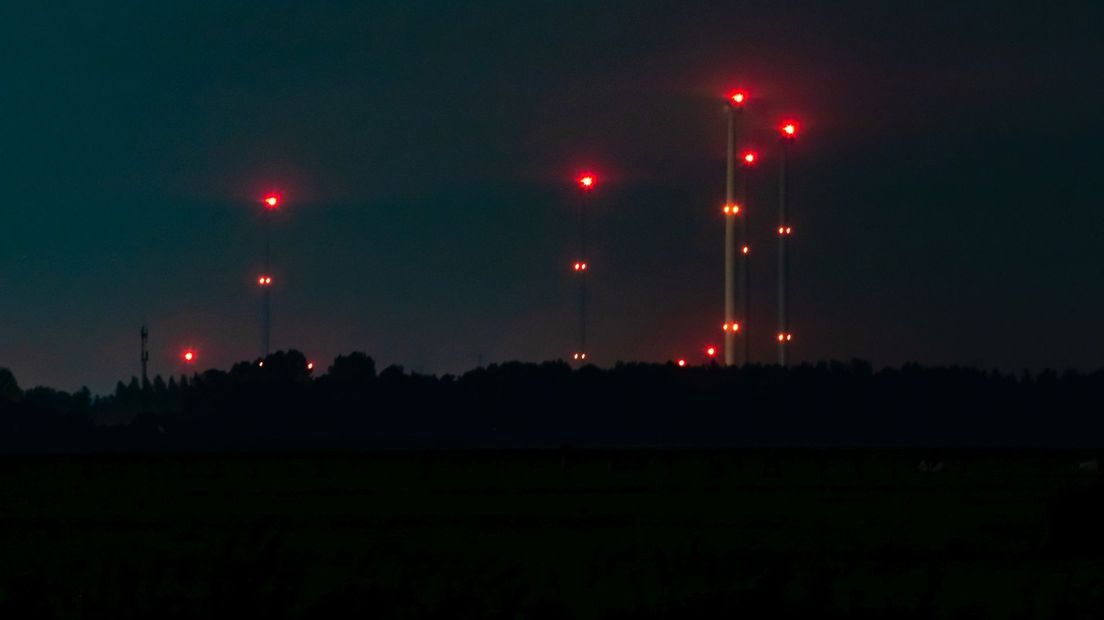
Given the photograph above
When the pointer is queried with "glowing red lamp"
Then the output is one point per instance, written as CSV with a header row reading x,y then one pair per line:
x,y
749,158
587,181
271,201
681,363
711,351
737,98
789,129
188,356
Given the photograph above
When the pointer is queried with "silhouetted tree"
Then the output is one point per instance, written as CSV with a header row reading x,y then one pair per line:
x,y
9,388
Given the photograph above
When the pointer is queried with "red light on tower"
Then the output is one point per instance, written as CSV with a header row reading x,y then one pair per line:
x,y
188,356
271,201
737,98
681,363
749,158
587,181
711,351
310,366
789,129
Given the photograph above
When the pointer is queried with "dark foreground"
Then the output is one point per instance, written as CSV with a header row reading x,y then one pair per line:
x,y
546,534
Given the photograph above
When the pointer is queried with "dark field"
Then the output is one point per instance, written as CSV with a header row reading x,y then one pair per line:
x,y
587,534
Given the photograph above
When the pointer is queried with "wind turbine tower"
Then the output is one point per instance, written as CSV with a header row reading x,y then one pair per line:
x,y
731,211
785,336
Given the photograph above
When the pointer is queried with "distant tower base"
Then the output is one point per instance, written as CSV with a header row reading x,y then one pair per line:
x,y
145,356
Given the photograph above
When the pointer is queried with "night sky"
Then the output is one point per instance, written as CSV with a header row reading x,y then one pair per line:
x,y
945,187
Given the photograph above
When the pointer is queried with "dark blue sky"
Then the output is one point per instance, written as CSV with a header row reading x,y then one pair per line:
x,y
946,188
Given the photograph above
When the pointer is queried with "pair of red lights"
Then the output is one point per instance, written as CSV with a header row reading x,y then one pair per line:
x,y
710,351
785,337
734,327
579,356
731,209
784,230
788,128
580,266
264,280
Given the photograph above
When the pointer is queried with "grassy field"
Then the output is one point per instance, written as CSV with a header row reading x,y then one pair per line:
x,y
548,534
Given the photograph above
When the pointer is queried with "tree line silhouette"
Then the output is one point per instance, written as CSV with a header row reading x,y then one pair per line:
x,y
281,405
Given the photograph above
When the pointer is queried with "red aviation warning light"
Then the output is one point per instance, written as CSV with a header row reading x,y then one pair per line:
x,y
587,181
731,209
579,356
785,337
271,201
711,351
580,266
737,98
750,158
789,129
734,327
745,249
784,230
264,280
681,363
188,356
310,366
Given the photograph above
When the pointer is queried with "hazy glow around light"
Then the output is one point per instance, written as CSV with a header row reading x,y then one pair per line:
x,y
749,158
681,363
789,129
271,201
587,181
